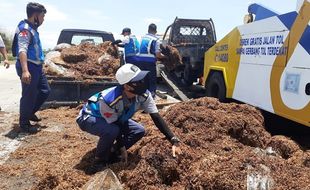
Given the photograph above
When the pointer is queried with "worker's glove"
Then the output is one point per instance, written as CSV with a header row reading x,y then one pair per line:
x,y
175,146
165,50
116,42
124,154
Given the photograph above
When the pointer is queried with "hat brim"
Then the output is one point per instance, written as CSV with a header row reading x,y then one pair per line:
x,y
139,76
125,32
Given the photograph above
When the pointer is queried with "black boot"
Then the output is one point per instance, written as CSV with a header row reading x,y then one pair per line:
x,y
115,156
29,128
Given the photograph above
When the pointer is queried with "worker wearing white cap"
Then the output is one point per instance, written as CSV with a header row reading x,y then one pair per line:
x,y
108,114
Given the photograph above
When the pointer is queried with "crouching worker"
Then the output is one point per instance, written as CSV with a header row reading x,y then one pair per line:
x,y
108,114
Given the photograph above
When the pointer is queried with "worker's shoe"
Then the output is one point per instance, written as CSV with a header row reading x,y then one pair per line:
x,y
115,157
100,162
29,128
35,118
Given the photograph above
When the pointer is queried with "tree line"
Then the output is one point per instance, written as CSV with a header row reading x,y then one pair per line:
x,y
7,39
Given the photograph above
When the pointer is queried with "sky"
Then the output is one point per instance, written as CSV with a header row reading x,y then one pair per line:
x,y
114,15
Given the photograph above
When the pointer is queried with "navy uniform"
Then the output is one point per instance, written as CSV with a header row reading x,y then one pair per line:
x,y
149,47
27,40
108,114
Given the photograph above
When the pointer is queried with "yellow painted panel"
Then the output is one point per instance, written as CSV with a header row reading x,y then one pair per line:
x,y
223,56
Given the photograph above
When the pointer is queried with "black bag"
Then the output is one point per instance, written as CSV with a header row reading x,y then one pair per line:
x,y
14,46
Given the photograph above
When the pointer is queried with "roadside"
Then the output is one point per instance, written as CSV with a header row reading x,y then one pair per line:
x,y
10,89
9,102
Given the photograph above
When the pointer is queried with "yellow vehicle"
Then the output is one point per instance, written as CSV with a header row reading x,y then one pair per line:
x,y
265,63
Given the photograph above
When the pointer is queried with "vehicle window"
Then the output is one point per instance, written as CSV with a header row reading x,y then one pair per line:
x,y
190,34
204,31
190,30
82,38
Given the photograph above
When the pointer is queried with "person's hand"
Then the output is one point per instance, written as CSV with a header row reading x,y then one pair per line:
x,y
6,63
124,154
165,57
116,42
176,150
26,77
176,147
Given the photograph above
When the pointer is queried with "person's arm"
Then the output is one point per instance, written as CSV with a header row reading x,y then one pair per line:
x,y
4,53
163,127
158,53
24,38
117,42
122,42
5,56
149,106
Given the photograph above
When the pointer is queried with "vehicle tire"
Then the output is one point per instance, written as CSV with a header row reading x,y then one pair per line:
x,y
215,87
189,75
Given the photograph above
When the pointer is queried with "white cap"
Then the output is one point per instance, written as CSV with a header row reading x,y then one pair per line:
x,y
129,73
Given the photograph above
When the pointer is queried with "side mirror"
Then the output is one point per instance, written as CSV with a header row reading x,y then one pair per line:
x,y
248,18
307,89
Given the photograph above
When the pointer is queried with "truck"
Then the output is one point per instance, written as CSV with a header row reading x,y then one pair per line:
x,y
68,90
191,37
264,63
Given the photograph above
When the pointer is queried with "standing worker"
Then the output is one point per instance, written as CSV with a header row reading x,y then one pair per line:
x,y
130,44
108,115
28,49
4,53
148,54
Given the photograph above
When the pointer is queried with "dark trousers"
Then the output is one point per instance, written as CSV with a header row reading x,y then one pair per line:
x,y
33,94
109,132
131,59
152,78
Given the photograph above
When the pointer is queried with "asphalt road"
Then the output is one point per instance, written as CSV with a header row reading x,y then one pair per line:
x,y
10,89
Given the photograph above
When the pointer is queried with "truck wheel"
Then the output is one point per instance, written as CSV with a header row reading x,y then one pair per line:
x,y
188,75
215,87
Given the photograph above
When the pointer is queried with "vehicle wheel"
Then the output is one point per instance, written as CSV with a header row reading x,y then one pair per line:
x,y
215,87
188,75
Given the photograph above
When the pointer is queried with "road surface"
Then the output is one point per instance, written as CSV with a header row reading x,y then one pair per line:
x,y
10,92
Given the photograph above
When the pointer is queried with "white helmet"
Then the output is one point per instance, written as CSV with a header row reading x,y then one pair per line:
x,y
129,73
